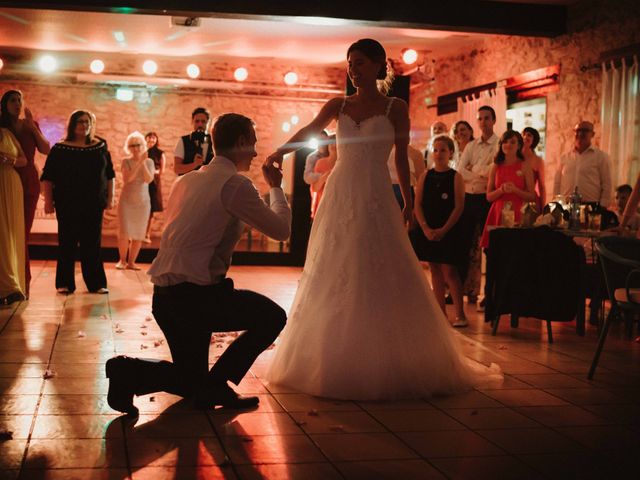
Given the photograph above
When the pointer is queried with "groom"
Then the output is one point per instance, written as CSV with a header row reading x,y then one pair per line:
x,y
192,296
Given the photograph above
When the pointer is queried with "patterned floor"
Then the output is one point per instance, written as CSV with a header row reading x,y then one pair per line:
x,y
545,421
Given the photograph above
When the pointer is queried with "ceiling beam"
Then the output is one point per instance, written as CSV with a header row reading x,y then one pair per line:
x,y
465,15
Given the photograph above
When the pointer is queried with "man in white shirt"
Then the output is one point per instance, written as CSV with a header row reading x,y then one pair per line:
x,y
585,167
474,166
416,168
192,296
194,150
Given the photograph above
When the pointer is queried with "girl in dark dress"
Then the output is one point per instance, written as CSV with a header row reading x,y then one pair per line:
x,y
155,187
437,240
77,182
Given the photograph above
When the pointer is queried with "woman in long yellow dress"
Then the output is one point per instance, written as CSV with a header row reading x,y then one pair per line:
x,y
12,247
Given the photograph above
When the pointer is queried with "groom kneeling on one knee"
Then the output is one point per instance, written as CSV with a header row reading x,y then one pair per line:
x,y
192,298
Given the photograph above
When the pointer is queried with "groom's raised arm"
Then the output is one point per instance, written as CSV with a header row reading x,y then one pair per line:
x,y
242,200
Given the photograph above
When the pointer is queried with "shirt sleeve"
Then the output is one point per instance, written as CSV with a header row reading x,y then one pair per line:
x,y
109,171
309,176
605,176
179,150
242,200
465,159
50,170
557,178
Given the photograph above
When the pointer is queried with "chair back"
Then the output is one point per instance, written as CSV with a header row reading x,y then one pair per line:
x,y
619,257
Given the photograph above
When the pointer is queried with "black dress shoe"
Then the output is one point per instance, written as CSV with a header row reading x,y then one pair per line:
x,y
121,384
224,396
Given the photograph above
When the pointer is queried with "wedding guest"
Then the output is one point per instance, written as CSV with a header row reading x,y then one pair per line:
x,y
510,182
438,207
155,187
30,137
585,167
12,246
474,166
627,207
437,129
192,295
531,139
77,182
194,149
318,166
135,205
462,134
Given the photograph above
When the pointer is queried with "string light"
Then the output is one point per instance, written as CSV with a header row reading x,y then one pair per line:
x,y
193,70
240,74
97,66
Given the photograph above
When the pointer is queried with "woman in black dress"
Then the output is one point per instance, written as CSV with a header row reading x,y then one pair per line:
x,y
155,187
438,207
77,182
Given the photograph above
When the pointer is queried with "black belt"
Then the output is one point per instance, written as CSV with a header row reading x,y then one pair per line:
x,y
188,286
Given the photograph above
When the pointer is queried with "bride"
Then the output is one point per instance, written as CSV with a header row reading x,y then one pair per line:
x,y
365,324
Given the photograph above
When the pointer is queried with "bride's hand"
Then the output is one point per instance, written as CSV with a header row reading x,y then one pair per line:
x,y
275,159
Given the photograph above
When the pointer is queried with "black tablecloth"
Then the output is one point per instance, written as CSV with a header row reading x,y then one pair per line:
x,y
534,272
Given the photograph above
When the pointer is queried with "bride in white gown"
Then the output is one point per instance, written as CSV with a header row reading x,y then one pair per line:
x,y
365,324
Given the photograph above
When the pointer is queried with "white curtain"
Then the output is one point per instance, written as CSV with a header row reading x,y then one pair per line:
x,y
496,98
621,120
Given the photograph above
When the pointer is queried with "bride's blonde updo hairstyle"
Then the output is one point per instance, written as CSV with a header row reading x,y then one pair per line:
x,y
374,51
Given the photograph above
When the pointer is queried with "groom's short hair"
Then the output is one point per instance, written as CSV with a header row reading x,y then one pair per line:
x,y
228,129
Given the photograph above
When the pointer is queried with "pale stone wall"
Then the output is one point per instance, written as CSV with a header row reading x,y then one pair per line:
x,y
595,27
169,112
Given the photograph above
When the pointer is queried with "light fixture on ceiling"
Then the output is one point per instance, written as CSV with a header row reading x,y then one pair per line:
x,y
291,78
295,119
124,94
240,74
286,126
150,67
47,64
193,70
409,56
97,66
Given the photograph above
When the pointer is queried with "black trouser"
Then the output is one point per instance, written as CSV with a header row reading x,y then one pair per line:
x,y
188,314
474,216
80,232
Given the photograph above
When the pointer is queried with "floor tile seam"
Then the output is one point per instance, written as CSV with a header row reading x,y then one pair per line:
x,y
227,457
519,410
40,395
546,390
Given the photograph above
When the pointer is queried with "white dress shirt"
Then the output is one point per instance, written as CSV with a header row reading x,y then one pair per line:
x,y
589,171
414,156
206,213
179,150
475,163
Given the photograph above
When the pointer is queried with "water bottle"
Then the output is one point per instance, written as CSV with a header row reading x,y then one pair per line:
x,y
574,210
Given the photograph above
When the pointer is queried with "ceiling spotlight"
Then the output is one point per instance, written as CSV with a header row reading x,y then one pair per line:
x,y
97,66
409,56
286,126
47,64
193,70
295,119
291,78
150,67
241,74
313,143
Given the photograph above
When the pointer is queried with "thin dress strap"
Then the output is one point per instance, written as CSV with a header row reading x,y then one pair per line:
x,y
386,113
344,101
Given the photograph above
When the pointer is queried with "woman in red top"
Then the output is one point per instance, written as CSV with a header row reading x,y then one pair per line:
x,y
28,133
510,180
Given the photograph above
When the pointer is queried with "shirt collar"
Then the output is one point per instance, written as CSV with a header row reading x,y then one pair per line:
x,y
492,139
220,161
590,148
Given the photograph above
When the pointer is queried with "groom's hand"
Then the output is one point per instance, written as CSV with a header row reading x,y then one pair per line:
x,y
272,175
274,160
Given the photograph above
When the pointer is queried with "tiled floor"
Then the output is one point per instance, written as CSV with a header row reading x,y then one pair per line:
x,y
545,421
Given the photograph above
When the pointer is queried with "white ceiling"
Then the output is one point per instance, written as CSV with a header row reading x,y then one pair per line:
x,y
294,39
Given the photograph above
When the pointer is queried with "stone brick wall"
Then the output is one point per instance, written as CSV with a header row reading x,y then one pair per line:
x,y
168,112
595,26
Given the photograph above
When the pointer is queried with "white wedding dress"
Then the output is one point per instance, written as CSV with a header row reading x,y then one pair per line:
x,y
365,324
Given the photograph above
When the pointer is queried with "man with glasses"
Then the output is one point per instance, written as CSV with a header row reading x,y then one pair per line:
x,y
585,167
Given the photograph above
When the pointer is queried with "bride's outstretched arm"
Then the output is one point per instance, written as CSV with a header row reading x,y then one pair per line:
x,y
328,112
400,116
